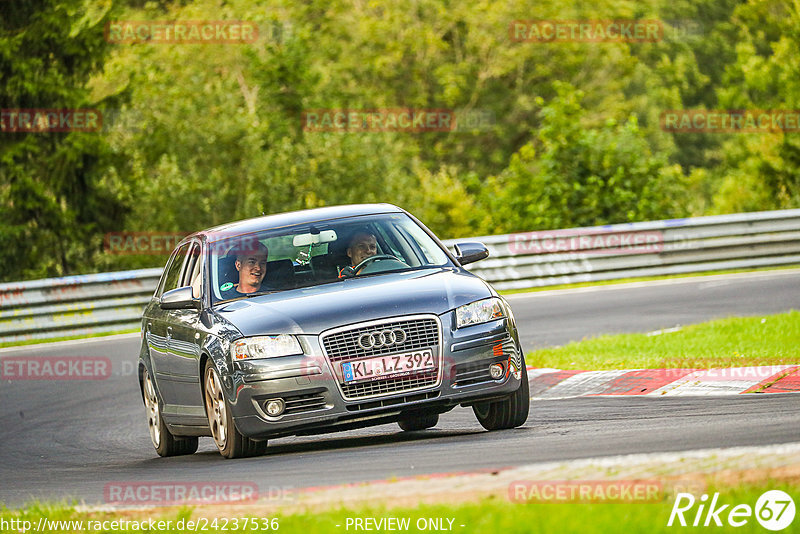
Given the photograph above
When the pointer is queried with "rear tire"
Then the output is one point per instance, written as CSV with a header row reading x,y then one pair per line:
x,y
165,443
229,441
507,413
418,421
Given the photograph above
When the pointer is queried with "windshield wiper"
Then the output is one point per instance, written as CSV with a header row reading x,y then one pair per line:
x,y
259,293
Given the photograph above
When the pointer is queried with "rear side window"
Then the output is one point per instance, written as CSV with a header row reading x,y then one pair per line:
x,y
172,273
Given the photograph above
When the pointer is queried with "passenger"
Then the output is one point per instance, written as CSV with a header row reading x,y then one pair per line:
x,y
252,266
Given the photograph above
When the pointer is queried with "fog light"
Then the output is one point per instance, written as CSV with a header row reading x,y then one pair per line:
x,y
275,407
496,370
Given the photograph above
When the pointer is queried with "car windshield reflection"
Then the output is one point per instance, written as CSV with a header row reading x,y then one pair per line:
x,y
324,252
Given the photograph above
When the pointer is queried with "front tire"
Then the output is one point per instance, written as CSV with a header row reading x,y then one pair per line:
x,y
165,443
418,421
229,441
508,413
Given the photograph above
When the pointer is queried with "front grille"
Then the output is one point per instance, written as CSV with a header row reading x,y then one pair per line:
x,y
343,346
421,333
392,385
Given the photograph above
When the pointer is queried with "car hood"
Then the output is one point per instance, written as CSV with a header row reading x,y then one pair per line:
x,y
315,309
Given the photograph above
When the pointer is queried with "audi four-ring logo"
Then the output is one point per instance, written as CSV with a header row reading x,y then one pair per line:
x,y
382,338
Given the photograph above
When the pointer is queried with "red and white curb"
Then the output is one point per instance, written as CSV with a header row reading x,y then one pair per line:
x,y
560,384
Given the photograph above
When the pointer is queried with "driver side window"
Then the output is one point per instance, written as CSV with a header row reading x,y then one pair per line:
x,y
195,278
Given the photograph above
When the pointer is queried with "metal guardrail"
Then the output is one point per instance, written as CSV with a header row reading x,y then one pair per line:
x,y
75,305
592,254
96,303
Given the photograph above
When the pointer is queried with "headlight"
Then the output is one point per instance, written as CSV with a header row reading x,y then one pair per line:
x,y
478,312
265,347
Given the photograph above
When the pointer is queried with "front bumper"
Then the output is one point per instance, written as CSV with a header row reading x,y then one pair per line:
x,y
311,385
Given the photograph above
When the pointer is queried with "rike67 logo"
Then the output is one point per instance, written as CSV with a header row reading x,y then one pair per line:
x,y
774,510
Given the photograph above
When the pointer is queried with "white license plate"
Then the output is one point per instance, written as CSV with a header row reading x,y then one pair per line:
x,y
388,366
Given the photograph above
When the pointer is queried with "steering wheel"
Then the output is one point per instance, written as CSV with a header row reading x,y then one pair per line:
x,y
369,260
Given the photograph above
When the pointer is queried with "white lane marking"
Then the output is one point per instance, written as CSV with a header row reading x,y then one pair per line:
x,y
664,331
712,285
730,381
668,282
539,371
586,383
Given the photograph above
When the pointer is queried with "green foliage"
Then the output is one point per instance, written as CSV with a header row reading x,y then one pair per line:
x,y
201,134
571,175
762,171
53,196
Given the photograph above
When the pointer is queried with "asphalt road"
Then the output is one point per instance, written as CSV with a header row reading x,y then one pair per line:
x,y
68,439
557,317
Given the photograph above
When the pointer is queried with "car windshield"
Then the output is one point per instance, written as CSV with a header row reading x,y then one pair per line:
x,y
318,253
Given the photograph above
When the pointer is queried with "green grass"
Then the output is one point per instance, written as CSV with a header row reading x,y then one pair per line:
x,y
643,279
488,515
65,338
733,342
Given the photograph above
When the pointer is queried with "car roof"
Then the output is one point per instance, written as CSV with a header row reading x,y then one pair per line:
x,y
279,220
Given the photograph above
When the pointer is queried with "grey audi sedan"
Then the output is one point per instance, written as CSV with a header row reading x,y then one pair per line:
x,y
323,320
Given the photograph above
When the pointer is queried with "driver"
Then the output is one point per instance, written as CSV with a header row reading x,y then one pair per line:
x,y
362,246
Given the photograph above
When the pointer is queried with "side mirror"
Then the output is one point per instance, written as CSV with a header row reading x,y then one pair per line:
x,y
470,252
179,299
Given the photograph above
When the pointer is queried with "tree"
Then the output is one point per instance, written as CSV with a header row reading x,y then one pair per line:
x,y
762,170
54,196
574,175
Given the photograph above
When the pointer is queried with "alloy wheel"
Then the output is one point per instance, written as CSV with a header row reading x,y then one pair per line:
x,y
153,411
216,408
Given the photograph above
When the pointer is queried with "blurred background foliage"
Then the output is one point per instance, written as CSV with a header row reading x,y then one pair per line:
x,y
196,135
